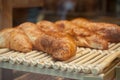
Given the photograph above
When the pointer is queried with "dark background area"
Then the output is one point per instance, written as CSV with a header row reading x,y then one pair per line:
x,y
97,10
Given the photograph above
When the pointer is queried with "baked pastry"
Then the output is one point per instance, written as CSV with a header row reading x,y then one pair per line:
x,y
59,45
15,39
110,32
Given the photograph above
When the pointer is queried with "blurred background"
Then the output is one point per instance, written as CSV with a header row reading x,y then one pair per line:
x,y
15,12
97,10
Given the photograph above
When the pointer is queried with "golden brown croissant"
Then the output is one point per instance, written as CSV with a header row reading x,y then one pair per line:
x,y
59,45
15,39
111,32
31,31
83,36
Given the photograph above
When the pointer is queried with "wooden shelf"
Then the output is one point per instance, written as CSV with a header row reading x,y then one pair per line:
x,y
6,9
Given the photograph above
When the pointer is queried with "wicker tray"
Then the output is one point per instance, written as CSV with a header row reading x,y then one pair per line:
x,y
87,61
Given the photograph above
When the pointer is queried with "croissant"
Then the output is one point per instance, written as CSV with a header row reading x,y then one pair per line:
x,y
15,39
82,36
59,45
110,32
31,31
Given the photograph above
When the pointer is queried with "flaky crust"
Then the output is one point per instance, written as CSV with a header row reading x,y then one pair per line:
x,y
46,26
19,41
31,31
4,35
110,32
59,45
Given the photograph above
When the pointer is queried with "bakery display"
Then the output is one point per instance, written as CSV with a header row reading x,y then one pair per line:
x,y
59,39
